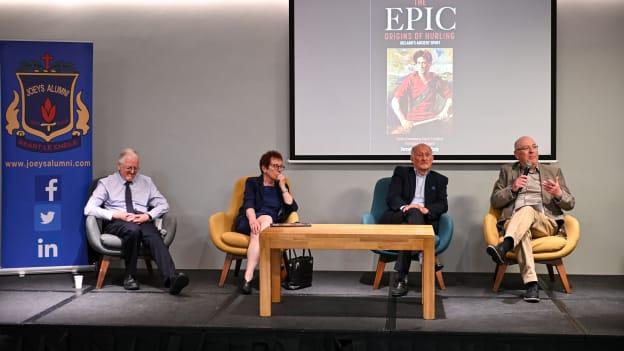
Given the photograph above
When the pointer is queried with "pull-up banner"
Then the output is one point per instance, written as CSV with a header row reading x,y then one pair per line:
x,y
46,91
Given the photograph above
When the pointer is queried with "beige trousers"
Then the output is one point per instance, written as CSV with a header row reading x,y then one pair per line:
x,y
524,225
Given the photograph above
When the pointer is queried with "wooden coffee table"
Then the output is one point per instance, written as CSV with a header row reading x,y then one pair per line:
x,y
344,237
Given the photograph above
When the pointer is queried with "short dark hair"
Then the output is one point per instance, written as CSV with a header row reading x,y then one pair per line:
x,y
265,159
424,54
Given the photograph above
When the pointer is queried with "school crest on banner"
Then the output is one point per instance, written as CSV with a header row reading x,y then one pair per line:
x,y
47,114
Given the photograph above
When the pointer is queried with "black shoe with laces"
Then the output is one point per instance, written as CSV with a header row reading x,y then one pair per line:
x,y
532,292
177,283
130,283
497,253
400,289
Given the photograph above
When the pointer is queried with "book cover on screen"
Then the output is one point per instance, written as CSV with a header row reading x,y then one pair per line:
x,y
412,69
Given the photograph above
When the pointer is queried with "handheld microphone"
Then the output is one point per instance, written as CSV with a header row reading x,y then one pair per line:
x,y
527,169
525,172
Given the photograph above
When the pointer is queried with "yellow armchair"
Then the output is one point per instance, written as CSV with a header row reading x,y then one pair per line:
x,y
222,234
547,250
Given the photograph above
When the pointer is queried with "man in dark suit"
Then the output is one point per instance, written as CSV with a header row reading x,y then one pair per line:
x,y
417,195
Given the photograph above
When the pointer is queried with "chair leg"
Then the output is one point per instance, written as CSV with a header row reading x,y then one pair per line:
x,y
551,273
104,263
148,265
225,270
500,272
237,267
564,277
381,266
283,271
440,279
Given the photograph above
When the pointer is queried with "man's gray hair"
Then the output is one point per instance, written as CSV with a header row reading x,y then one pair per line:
x,y
520,138
126,152
421,144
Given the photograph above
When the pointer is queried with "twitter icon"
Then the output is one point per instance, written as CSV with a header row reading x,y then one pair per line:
x,y
47,218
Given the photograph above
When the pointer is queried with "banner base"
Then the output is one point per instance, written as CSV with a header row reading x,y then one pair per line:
x,y
41,270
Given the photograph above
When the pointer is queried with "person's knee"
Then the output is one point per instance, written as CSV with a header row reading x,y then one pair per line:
x,y
132,231
525,210
413,211
265,221
414,216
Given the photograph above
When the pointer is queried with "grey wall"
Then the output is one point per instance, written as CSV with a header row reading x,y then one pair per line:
x,y
202,90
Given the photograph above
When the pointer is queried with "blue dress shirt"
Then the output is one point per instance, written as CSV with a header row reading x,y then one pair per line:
x,y
109,197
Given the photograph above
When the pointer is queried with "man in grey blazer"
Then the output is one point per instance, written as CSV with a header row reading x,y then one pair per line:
x,y
531,197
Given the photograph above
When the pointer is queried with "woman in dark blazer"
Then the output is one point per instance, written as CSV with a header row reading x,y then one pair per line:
x,y
267,200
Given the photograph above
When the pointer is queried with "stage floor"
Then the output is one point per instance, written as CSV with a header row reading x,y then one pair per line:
x,y
337,300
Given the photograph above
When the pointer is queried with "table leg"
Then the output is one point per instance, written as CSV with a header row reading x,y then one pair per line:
x,y
276,288
428,280
265,279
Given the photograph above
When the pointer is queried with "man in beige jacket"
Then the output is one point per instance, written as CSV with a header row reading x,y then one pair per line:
x,y
531,197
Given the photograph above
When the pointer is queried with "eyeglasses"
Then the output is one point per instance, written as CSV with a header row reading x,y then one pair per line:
x,y
277,167
131,169
528,147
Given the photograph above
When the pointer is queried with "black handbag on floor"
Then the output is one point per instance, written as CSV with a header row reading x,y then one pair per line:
x,y
298,270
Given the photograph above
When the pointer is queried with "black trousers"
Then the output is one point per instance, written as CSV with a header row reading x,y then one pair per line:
x,y
132,236
412,216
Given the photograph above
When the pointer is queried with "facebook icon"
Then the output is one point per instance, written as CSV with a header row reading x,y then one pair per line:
x,y
48,188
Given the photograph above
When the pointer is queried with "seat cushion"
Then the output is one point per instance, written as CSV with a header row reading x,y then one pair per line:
x,y
548,244
235,239
111,241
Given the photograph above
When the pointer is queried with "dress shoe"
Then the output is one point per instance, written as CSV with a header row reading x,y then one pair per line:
x,y
532,293
246,288
497,253
177,283
400,289
438,266
130,283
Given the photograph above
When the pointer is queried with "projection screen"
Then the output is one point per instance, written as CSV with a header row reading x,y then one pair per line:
x,y
372,78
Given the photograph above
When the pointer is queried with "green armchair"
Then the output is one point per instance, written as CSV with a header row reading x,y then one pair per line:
x,y
442,239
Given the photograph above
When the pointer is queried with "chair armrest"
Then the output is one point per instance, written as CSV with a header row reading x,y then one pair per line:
x,y
292,217
367,218
170,224
445,232
218,224
490,231
94,237
93,234
573,234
